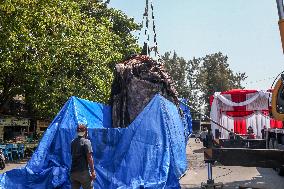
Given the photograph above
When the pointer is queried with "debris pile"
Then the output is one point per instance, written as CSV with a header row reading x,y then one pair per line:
x,y
136,82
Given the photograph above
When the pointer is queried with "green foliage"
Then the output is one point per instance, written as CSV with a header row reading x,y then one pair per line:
x,y
198,79
53,49
216,76
176,67
184,75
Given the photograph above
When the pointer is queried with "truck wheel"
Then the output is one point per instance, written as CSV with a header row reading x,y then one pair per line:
x,y
280,171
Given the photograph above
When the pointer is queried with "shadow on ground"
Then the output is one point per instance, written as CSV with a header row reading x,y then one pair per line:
x,y
14,164
269,181
199,151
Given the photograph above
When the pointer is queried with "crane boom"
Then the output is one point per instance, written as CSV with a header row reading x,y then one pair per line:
x,y
280,8
277,102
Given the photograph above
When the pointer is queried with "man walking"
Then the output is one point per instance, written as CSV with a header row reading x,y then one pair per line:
x,y
82,160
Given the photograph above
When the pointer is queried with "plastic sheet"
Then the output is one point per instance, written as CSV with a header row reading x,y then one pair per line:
x,y
186,117
150,153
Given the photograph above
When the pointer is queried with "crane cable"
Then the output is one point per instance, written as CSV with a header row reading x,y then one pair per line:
x,y
149,16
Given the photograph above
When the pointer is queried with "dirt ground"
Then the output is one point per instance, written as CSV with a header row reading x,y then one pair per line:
x,y
232,177
13,165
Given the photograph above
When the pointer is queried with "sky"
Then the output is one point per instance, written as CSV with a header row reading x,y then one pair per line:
x,y
244,30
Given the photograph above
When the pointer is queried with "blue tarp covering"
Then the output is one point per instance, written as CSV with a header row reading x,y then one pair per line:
x,y
150,153
186,116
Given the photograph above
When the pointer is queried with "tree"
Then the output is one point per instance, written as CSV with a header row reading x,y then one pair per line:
x,y
176,67
51,50
198,79
184,74
216,76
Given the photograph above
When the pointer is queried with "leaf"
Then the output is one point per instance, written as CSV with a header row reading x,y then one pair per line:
x,y
51,50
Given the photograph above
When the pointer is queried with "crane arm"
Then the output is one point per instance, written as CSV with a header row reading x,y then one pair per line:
x,y
280,8
277,102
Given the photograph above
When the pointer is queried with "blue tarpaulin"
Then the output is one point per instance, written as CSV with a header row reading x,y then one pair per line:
x,y
150,153
186,116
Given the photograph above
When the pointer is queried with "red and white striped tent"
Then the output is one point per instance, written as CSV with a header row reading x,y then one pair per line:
x,y
237,109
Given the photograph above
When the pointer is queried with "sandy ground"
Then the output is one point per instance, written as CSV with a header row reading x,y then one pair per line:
x,y
13,165
232,177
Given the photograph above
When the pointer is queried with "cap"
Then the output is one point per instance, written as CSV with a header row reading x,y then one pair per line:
x,y
81,129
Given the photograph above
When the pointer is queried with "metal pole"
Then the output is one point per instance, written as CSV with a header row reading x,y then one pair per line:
x,y
209,167
266,138
276,138
280,8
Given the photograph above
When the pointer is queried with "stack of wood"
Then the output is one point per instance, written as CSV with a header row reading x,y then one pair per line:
x,y
136,82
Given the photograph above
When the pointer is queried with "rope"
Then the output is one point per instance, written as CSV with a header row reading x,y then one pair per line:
x,y
257,81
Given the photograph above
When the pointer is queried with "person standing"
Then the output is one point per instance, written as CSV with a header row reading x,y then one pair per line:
x,y
263,132
203,135
82,161
231,135
250,133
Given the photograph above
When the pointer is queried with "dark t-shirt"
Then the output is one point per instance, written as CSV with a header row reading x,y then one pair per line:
x,y
80,147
